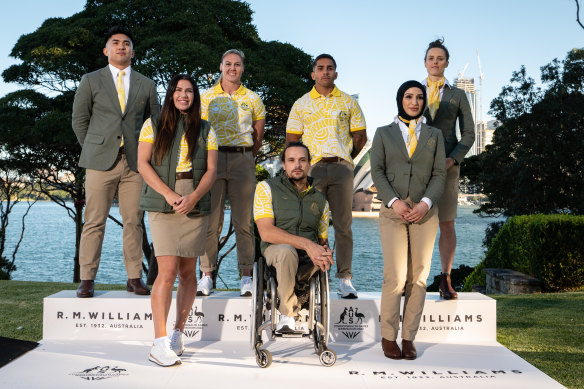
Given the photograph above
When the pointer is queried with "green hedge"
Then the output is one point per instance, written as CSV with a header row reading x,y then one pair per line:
x,y
548,247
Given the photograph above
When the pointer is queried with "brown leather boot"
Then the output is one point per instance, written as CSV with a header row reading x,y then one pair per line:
x,y
409,350
137,286
446,290
391,349
85,288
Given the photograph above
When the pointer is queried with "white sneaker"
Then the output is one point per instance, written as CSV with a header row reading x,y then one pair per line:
x,y
346,289
286,324
162,354
176,342
205,286
245,286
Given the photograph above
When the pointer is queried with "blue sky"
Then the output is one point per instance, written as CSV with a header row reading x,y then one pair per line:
x,y
380,44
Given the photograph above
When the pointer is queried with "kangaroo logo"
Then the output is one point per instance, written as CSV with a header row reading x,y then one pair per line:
x,y
351,323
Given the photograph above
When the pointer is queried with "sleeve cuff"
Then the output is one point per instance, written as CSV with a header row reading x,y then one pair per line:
x,y
391,202
427,201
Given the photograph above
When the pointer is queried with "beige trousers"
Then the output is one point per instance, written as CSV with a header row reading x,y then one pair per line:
x,y
100,189
335,181
284,258
236,181
407,254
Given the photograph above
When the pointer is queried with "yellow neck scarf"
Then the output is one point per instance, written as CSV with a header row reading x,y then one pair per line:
x,y
434,95
412,140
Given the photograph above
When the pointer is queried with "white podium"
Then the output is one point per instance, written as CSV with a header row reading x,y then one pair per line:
x,y
118,315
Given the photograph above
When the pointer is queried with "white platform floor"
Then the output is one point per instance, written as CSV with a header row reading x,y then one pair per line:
x,y
124,364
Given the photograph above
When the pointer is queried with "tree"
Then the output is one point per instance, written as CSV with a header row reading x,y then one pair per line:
x,y
182,36
13,187
536,161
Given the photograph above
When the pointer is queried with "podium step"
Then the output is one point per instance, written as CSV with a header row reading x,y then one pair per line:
x,y
123,316
115,364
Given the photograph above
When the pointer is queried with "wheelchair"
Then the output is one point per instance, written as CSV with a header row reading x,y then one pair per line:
x,y
265,317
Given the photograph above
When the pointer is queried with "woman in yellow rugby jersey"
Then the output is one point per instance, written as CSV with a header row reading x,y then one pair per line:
x,y
177,157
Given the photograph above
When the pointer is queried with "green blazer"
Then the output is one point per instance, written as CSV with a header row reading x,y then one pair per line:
x,y
454,105
396,175
99,123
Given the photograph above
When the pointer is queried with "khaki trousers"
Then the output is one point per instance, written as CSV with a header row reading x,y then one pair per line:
x,y
407,254
236,180
335,181
284,258
100,189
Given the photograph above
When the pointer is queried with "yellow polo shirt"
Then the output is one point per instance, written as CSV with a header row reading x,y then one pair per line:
x,y
183,163
262,207
325,123
232,115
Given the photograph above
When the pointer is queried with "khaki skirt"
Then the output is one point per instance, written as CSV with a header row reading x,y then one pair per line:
x,y
178,235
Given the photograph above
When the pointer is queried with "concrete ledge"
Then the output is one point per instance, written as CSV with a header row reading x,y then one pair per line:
x,y
506,281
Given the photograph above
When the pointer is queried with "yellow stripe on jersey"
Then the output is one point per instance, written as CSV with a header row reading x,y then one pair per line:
x,y
325,123
262,208
232,116
183,164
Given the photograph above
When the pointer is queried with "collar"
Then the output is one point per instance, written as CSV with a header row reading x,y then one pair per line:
x,y
115,70
219,90
446,82
315,95
423,117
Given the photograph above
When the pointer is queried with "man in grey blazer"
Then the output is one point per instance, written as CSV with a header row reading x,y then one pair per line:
x,y
110,106
447,106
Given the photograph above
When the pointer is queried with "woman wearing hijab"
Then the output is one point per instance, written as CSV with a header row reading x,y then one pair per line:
x,y
408,170
177,157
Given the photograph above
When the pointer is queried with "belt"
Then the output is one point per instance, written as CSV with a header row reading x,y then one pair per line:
x,y
330,159
234,149
184,175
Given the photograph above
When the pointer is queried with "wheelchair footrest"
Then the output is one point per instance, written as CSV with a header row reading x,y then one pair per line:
x,y
295,334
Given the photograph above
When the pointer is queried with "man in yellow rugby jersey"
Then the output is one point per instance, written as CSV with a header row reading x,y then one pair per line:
x,y
238,116
331,124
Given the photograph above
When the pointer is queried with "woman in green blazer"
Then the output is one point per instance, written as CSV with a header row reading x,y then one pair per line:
x,y
408,170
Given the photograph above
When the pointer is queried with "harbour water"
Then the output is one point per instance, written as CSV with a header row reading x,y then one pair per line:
x,y
48,248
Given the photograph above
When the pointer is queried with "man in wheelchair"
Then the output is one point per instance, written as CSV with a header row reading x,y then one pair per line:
x,y
292,218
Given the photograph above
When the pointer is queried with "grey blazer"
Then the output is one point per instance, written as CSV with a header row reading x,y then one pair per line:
x,y
99,123
454,105
396,175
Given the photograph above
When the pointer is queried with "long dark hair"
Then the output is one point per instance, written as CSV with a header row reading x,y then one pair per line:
x,y
169,117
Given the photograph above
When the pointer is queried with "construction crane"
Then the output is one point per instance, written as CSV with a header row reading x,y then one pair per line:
x,y
461,73
481,76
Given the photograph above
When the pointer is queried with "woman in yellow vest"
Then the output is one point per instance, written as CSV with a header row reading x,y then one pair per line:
x,y
177,157
408,170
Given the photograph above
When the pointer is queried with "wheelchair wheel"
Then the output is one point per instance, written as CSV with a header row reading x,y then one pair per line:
x,y
264,358
257,303
321,313
327,358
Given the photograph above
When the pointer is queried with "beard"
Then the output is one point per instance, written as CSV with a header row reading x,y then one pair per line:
x,y
298,177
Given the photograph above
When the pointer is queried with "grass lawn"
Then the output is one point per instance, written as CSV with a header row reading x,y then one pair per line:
x,y
547,330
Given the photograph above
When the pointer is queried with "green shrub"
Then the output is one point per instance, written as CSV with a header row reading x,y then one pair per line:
x,y
457,277
477,277
548,247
